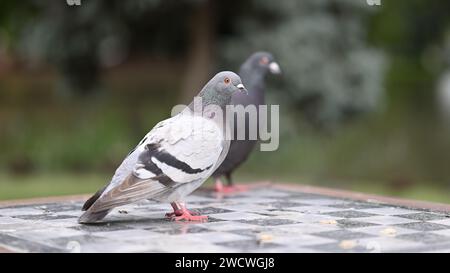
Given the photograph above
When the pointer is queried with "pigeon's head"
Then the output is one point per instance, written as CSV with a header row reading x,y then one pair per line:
x,y
228,82
221,87
262,62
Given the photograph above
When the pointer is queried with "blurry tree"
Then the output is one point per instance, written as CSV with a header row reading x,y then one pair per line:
x,y
81,40
443,83
13,17
330,72
412,31
328,51
200,53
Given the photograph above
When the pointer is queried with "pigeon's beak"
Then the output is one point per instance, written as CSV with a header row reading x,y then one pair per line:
x,y
242,88
274,68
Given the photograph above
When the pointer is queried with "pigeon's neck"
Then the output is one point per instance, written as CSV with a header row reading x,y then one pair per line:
x,y
253,80
247,70
209,107
219,99
209,97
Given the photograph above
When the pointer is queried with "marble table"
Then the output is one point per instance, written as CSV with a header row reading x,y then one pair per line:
x,y
268,218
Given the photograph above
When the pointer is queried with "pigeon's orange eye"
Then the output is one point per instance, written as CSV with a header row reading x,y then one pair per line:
x,y
226,80
264,61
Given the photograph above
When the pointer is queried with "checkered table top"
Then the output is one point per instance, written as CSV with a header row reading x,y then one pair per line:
x,y
266,219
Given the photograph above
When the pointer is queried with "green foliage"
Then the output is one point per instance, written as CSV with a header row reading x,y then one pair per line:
x,y
43,185
329,70
82,40
44,133
340,58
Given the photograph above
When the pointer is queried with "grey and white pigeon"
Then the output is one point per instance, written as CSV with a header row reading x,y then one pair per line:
x,y
173,159
252,72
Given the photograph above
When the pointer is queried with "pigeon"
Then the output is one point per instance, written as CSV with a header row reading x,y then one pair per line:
x,y
173,159
252,73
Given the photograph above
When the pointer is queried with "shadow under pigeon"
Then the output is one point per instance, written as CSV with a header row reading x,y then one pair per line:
x,y
161,225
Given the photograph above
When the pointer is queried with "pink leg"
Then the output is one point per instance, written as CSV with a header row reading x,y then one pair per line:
x,y
180,212
219,187
177,211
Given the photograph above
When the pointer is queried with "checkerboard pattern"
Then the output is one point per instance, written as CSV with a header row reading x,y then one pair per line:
x,y
261,220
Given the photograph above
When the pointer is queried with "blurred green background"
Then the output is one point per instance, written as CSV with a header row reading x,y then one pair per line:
x,y
362,95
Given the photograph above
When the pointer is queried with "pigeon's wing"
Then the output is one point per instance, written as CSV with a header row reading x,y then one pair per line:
x,y
127,165
185,149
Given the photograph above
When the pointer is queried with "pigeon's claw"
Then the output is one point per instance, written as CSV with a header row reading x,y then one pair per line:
x,y
171,214
181,213
186,216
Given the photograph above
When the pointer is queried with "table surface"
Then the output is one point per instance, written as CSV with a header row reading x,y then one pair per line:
x,y
268,218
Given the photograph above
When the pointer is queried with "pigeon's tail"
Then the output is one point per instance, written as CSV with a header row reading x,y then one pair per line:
x,y
92,217
93,198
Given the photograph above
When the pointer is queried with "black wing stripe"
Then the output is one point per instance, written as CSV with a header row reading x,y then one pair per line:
x,y
145,159
170,160
178,164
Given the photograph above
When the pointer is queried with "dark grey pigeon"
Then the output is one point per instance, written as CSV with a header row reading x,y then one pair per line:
x,y
252,72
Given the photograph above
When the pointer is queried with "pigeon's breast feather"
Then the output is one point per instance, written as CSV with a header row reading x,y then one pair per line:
x,y
195,140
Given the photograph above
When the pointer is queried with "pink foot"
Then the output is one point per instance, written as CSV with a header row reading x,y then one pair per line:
x,y
220,188
196,218
179,212
187,216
